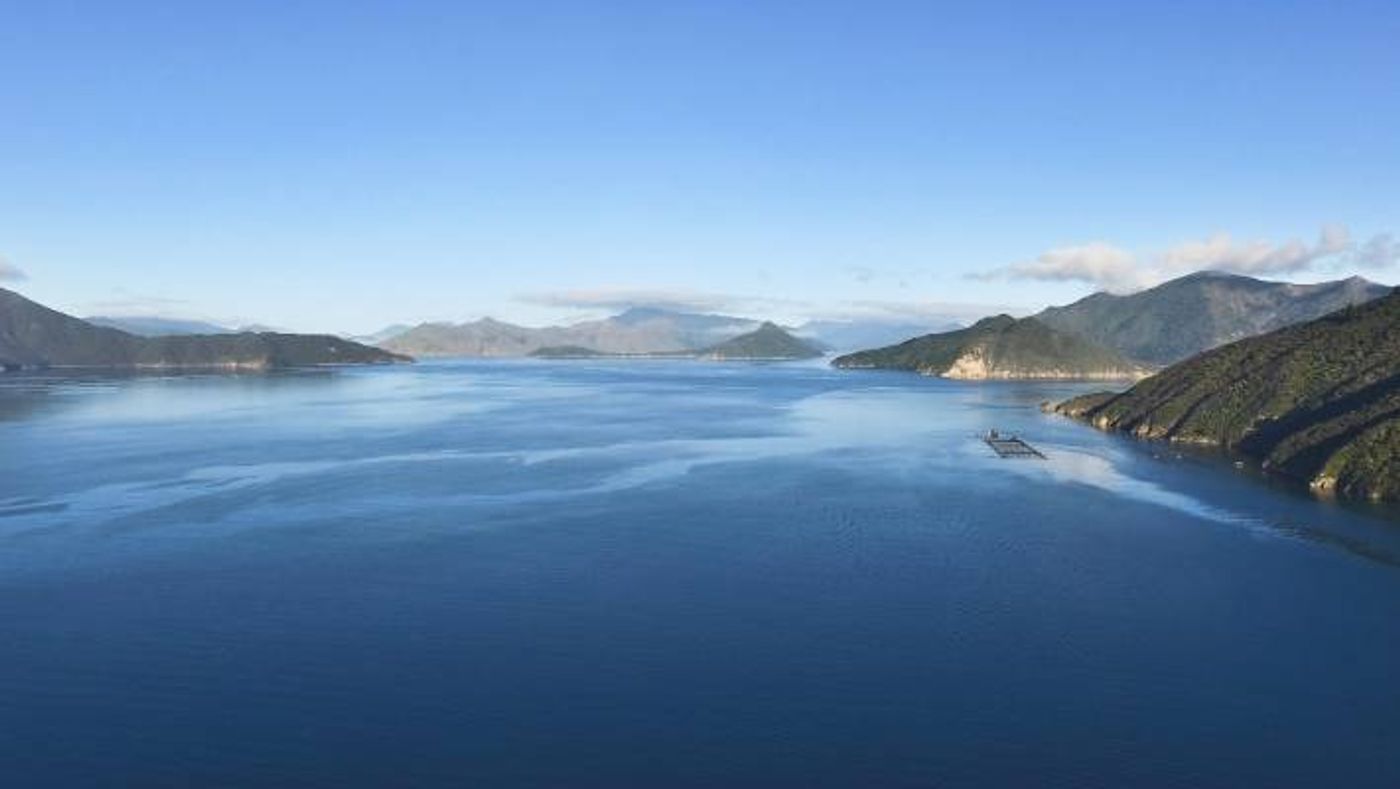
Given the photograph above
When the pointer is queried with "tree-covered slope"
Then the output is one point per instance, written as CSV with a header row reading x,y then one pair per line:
x,y
32,335
1318,401
768,341
1180,318
998,347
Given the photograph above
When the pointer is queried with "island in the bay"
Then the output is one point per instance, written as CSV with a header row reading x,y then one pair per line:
x,y
769,342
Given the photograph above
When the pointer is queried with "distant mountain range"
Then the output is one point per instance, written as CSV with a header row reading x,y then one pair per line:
x,y
1185,316
1318,402
855,334
636,331
32,335
383,334
154,326
998,347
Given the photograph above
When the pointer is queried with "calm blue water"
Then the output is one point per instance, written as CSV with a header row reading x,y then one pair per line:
x,y
664,574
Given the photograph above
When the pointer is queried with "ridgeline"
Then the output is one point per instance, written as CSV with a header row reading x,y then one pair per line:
x,y
998,347
34,336
1318,402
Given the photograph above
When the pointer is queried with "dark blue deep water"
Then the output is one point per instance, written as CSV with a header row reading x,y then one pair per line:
x,y
664,574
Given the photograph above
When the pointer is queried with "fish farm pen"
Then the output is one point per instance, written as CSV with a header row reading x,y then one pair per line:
x,y
1011,446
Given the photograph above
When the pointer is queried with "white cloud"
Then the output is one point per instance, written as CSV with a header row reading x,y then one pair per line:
x,y
9,272
1118,270
1221,253
1098,262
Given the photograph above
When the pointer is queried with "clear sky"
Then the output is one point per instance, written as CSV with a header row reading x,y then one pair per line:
x,y
343,165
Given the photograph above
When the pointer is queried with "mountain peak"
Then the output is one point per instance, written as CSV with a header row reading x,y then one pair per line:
x,y
638,314
768,341
1199,311
994,323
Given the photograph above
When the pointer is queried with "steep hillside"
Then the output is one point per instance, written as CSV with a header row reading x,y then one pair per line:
x,y
1185,316
32,335
768,341
1318,402
998,347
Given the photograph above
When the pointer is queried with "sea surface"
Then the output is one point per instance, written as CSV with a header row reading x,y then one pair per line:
x,y
665,574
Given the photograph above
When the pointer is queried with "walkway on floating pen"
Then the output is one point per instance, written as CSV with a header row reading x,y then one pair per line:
x,y
1011,446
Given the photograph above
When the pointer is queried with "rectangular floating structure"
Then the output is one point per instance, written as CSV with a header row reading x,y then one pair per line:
x,y
1011,447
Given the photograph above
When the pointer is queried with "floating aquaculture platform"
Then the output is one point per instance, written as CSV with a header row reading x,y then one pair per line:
x,y
1011,446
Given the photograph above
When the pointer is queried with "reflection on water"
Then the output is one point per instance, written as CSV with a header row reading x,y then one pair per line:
x,y
929,427
761,575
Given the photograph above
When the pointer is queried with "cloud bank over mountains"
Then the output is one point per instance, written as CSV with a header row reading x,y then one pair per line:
x,y
1119,270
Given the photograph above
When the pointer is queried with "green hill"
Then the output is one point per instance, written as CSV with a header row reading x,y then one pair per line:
x,y
566,352
768,341
1180,318
32,335
1318,402
998,347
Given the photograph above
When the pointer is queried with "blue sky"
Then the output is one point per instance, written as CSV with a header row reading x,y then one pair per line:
x,y
341,166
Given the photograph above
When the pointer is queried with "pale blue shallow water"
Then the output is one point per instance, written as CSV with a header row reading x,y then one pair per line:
x,y
664,574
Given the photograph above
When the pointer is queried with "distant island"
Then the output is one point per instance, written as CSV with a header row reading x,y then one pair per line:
x,y
769,342
35,336
999,347
567,352
1318,402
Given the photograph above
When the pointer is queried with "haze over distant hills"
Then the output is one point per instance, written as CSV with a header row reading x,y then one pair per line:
x,y
998,347
1318,402
383,334
156,326
32,335
640,330
1185,316
856,334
